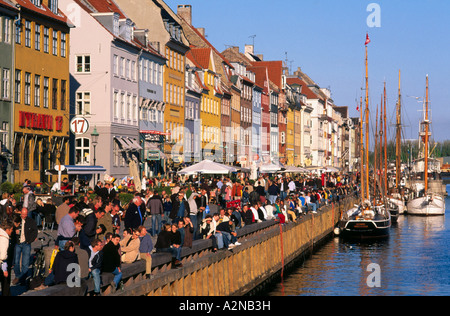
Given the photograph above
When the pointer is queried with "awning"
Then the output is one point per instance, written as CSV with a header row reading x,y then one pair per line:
x,y
78,170
134,144
123,143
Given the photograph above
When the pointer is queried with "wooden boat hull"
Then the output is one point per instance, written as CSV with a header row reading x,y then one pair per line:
x,y
427,206
401,205
366,229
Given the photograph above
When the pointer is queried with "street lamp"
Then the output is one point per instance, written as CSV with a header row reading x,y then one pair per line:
x,y
94,139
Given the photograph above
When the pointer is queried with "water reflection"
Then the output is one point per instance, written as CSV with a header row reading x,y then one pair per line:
x,y
414,260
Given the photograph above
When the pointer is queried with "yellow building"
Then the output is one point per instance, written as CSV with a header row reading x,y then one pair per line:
x,y
174,98
210,107
41,91
290,139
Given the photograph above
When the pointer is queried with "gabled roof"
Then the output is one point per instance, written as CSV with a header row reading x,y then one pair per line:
x,y
274,68
101,6
260,76
305,89
233,55
202,56
44,10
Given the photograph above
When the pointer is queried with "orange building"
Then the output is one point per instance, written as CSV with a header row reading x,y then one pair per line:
x,y
41,90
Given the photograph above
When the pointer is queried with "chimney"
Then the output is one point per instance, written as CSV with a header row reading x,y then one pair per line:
x,y
249,49
260,56
201,30
185,11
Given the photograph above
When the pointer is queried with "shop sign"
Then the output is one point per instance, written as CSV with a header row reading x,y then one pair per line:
x,y
42,122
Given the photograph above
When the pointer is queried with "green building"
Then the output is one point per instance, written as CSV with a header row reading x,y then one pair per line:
x,y
8,14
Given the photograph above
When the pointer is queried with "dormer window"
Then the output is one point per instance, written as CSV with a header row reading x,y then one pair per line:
x,y
116,25
37,2
53,6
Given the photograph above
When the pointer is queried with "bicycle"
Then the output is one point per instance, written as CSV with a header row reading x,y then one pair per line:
x,y
39,257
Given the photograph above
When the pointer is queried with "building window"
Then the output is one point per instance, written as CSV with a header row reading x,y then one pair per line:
x,y
18,86
54,43
46,39
37,90
55,94
83,103
53,6
133,71
27,93
18,33
6,84
122,67
7,30
26,155
63,95
36,154
83,64
82,151
37,37
116,104
27,33
63,44
46,86
116,65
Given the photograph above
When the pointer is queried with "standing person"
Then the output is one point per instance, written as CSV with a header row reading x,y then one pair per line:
x,y
67,228
6,229
62,210
193,211
106,220
29,200
167,205
145,250
115,216
155,205
134,216
91,227
111,259
27,233
273,191
189,230
95,263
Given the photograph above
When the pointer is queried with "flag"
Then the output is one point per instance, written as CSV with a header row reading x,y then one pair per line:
x,y
367,39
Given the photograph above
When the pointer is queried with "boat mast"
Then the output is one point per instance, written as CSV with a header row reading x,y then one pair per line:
x,y
361,152
375,160
367,127
426,141
398,137
380,150
385,144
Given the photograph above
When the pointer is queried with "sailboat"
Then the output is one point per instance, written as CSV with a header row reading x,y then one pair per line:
x,y
369,219
396,197
424,202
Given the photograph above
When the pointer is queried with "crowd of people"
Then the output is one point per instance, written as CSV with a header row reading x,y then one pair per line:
x,y
100,234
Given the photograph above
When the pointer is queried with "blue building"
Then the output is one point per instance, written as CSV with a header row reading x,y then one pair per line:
x,y
151,106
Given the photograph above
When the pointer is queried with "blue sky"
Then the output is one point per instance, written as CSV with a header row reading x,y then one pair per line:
x,y
326,39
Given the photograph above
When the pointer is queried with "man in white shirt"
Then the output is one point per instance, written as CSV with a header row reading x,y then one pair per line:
x,y
291,186
255,213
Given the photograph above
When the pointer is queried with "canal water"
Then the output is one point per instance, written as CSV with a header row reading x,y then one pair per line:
x,y
414,260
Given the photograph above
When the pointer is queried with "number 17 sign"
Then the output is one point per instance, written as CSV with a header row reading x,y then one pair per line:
x,y
79,125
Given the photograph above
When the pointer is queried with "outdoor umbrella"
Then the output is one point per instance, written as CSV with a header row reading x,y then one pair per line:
x,y
207,167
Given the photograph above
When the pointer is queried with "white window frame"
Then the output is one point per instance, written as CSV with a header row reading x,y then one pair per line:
x,y
83,102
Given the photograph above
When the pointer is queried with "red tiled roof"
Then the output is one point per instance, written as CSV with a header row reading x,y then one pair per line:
x,y
102,6
260,76
208,43
275,69
202,55
43,10
305,89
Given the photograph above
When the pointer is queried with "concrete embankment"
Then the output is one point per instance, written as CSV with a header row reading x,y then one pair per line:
x,y
266,248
